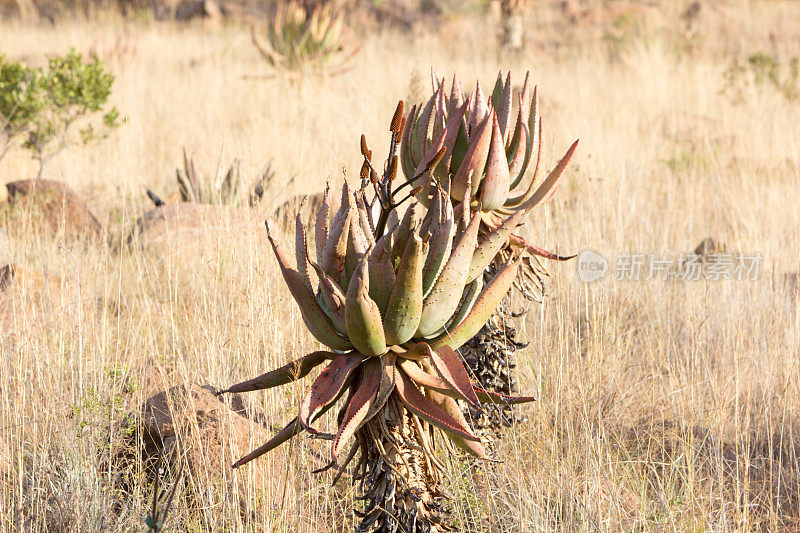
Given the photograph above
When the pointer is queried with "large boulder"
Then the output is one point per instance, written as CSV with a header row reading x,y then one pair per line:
x,y
190,425
48,206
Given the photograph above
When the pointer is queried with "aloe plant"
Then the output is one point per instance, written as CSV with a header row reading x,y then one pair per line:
x,y
224,188
491,148
392,298
300,40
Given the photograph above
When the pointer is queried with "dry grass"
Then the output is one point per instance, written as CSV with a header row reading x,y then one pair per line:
x,y
663,406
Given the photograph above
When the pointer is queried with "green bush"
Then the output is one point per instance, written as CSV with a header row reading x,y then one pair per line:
x,y
49,109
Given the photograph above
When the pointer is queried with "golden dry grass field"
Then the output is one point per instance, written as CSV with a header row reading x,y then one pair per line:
x,y
663,405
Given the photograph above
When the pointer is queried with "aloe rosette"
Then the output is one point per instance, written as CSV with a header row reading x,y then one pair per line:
x,y
392,313
490,146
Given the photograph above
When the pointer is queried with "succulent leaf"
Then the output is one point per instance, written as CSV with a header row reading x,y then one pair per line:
x,y
281,376
314,317
327,387
359,405
404,311
363,317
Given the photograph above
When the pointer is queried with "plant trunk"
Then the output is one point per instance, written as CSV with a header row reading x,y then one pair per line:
x,y
400,486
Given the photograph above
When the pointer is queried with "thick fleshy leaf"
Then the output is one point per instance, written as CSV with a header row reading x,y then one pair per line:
x,y
419,135
471,293
357,245
474,161
313,315
292,428
504,109
402,316
456,97
421,406
548,186
281,376
429,381
386,387
321,223
381,272
363,317
443,299
406,158
441,244
327,387
450,368
301,251
335,251
365,221
519,154
407,225
531,248
333,297
359,405
495,186
503,399
455,124
479,111
491,244
485,305
450,407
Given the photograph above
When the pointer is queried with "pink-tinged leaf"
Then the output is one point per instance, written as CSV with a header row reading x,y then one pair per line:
x,y
435,84
504,109
450,368
386,386
479,111
525,95
364,220
455,123
547,187
486,304
321,224
406,158
470,172
503,399
335,250
292,428
281,376
359,405
381,272
334,298
422,378
362,315
415,352
520,242
496,182
327,387
357,245
450,407
456,97
314,317
419,137
421,406
301,251
520,154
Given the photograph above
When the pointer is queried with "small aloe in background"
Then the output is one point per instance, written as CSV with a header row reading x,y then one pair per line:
x,y
300,40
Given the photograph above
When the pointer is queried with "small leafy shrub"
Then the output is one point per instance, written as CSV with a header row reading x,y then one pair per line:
x,y
49,109
760,70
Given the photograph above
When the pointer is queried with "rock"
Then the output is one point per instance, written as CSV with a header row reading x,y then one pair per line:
x,y
49,206
191,425
189,231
